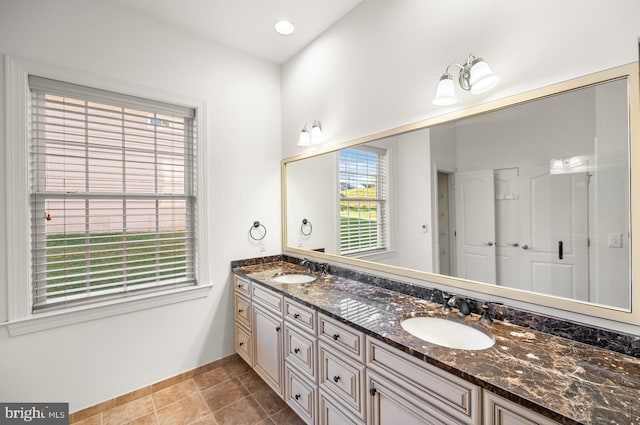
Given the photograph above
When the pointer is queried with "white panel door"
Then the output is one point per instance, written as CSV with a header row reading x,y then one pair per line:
x,y
475,226
508,250
554,230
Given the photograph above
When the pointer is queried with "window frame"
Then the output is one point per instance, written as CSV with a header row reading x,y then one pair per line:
x,y
382,201
20,317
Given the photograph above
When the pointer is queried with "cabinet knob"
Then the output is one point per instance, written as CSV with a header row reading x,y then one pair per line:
x,y
335,337
373,391
296,350
525,246
240,285
295,316
241,344
297,396
240,310
336,378
277,328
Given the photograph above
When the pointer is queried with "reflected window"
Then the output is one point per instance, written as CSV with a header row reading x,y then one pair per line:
x,y
363,176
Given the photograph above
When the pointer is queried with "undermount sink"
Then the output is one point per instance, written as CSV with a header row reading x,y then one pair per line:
x,y
447,333
294,277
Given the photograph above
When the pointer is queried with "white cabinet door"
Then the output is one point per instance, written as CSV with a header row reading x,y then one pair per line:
x,y
390,404
268,356
475,226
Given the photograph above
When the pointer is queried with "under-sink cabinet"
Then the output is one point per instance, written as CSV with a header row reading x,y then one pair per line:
x,y
267,337
330,373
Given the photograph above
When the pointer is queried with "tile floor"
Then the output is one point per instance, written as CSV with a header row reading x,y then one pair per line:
x,y
231,393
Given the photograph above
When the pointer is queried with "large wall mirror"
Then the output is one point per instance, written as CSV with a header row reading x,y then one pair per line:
x,y
527,197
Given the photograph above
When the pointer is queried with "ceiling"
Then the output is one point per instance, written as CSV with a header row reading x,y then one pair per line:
x,y
247,25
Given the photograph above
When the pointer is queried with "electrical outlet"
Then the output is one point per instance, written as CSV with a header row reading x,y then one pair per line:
x,y
614,240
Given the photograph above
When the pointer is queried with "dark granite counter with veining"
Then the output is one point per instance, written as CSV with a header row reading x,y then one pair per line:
x,y
567,381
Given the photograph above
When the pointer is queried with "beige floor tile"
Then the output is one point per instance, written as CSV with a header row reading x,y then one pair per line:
x,y
287,417
174,393
213,377
184,411
91,420
224,394
269,401
149,419
238,366
252,381
128,412
208,420
246,411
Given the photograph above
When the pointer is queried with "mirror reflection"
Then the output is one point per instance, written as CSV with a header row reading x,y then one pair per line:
x,y
533,197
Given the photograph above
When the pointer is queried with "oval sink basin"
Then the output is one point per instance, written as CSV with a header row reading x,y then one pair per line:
x,y
447,333
294,277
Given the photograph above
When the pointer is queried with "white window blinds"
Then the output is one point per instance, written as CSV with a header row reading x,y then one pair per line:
x,y
112,194
363,175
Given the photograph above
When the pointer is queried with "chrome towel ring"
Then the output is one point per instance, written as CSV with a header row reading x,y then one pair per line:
x,y
306,224
256,228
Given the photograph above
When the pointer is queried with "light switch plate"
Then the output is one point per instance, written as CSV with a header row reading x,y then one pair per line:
x,y
614,240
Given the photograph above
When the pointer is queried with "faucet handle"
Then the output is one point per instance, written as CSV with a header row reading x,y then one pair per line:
x,y
486,316
445,305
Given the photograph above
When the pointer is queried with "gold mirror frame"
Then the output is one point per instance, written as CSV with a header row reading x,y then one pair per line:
x,y
632,73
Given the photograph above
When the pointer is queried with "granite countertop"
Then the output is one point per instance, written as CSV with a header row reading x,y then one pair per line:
x,y
567,381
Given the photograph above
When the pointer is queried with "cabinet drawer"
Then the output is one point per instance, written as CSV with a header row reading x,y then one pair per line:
x,y
300,350
305,317
267,298
500,411
343,377
243,345
446,392
300,395
242,286
243,311
332,412
343,337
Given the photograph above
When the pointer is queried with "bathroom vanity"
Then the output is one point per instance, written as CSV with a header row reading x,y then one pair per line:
x,y
335,351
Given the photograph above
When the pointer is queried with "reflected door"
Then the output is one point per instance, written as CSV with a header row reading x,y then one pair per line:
x,y
554,228
475,225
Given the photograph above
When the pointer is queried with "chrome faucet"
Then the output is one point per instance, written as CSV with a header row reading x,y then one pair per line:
x,y
460,303
313,267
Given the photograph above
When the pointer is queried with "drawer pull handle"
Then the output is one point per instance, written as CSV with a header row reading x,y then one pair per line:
x,y
373,391
336,378
296,350
241,344
335,337
297,396
295,316
277,328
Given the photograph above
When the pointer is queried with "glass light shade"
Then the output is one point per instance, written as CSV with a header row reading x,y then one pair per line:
x,y
482,79
305,137
316,133
445,93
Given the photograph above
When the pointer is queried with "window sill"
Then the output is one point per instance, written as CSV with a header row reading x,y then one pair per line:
x,y
56,319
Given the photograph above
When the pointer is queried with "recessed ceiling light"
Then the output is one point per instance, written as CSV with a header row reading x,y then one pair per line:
x,y
284,27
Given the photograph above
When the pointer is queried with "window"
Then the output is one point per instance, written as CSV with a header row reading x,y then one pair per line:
x,y
112,196
363,199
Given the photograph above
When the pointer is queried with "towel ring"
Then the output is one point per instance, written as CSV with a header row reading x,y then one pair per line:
x,y
257,225
308,224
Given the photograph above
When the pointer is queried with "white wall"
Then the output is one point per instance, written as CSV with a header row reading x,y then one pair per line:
x,y
378,67
312,193
94,361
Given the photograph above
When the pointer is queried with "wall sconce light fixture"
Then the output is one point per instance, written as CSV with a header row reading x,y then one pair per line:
x,y
311,136
475,76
